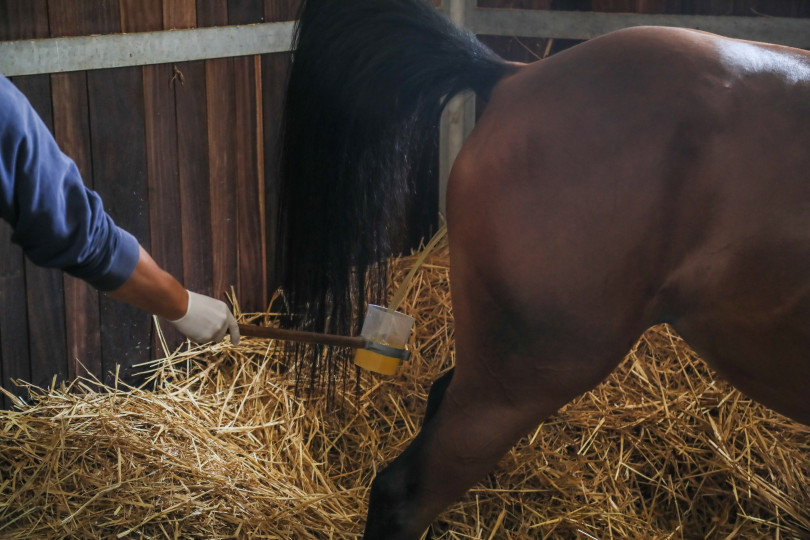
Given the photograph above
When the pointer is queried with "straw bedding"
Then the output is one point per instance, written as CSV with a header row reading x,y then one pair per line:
x,y
224,448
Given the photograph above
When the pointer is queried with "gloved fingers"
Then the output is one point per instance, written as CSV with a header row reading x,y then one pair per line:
x,y
233,327
220,333
206,319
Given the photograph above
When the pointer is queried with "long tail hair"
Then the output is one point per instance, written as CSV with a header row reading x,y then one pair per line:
x,y
367,85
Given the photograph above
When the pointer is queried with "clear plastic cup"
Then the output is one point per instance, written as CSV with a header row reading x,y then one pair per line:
x,y
387,333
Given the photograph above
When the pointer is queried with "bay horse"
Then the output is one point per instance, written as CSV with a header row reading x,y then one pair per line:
x,y
650,175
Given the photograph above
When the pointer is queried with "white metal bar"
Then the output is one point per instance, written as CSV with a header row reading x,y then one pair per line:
x,y
30,57
458,118
794,32
54,55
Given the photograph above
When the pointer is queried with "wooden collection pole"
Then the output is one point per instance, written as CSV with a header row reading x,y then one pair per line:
x,y
305,337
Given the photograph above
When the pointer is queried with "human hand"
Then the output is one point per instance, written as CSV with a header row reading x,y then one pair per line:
x,y
207,319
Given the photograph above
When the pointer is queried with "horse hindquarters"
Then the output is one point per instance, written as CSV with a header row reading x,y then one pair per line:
x,y
559,264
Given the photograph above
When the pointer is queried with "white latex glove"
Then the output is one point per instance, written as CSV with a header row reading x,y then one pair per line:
x,y
207,319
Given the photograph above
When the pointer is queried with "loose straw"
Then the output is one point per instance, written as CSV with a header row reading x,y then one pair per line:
x,y
221,446
399,296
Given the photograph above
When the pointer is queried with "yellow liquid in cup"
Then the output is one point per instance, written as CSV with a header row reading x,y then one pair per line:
x,y
376,362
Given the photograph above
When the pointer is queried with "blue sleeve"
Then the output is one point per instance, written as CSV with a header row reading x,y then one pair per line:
x,y
57,221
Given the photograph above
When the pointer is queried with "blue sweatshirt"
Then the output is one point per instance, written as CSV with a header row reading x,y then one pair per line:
x,y
57,221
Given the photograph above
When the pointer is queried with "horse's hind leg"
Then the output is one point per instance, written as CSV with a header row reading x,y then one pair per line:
x,y
436,394
458,445
471,429
471,424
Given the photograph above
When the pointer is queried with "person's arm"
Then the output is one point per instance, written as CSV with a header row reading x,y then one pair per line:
x,y
60,223
154,290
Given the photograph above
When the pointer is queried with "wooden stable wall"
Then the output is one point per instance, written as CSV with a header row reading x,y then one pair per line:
x,y
178,153
182,154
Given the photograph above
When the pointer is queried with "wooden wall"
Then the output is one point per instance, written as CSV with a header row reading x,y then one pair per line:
x,y
183,157
179,154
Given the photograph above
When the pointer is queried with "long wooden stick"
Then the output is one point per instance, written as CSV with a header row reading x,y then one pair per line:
x,y
268,332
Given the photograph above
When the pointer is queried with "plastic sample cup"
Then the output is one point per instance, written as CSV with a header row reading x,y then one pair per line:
x,y
387,334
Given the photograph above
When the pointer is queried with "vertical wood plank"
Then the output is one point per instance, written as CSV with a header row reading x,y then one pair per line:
x,y
274,76
141,15
220,110
222,173
771,8
613,6
23,20
516,4
212,13
179,14
192,150
72,132
164,184
245,11
252,286
281,10
192,173
195,190
71,18
119,167
659,6
251,290
569,5
707,7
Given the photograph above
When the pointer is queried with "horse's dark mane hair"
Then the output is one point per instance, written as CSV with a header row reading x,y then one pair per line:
x,y
367,84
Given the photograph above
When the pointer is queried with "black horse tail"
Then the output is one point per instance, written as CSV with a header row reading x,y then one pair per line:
x,y
368,82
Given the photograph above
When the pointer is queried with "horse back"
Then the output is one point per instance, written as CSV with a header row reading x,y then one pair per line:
x,y
650,175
